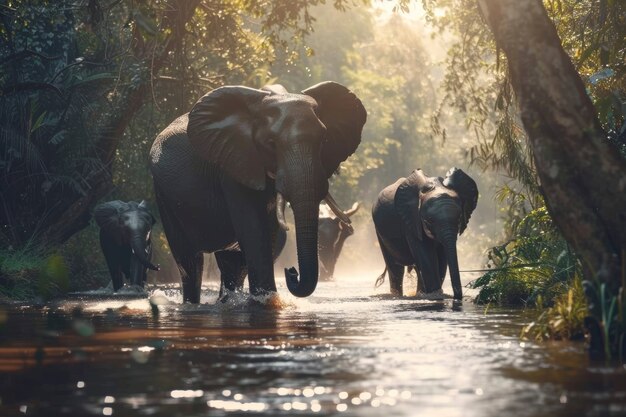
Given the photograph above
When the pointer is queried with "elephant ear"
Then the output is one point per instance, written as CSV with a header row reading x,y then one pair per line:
x,y
343,114
107,214
407,203
221,130
467,190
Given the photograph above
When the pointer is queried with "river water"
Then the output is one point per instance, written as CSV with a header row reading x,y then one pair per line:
x,y
347,350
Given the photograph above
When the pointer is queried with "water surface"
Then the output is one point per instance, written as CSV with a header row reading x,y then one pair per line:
x,y
347,350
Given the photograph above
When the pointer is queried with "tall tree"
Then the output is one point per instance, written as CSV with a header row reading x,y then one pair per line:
x,y
583,176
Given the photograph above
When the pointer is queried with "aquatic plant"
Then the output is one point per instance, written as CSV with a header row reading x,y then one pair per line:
x,y
606,322
564,320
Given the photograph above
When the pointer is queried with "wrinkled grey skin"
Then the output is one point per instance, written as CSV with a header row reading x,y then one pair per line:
x,y
125,240
417,221
332,234
218,172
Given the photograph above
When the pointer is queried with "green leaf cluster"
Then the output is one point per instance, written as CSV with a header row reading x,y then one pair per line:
x,y
534,267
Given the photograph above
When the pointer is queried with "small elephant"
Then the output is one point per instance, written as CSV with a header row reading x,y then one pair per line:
x,y
417,220
224,171
332,233
125,240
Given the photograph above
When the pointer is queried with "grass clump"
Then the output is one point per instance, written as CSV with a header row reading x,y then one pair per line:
x,y
606,322
564,320
28,274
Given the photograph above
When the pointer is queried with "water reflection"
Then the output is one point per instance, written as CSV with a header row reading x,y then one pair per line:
x,y
347,350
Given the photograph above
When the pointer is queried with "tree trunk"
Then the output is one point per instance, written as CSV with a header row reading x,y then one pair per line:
x,y
583,177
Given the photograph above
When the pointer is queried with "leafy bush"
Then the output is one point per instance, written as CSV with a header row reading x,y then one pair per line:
x,y
536,266
28,274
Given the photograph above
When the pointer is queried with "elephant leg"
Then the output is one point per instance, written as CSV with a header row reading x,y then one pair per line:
x,y
443,263
126,263
427,262
396,276
136,272
188,260
190,268
113,259
395,269
232,265
420,281
252,224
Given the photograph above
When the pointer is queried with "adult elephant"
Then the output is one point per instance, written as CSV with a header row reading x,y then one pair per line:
x,y
332,233
224,171
125,240
417,220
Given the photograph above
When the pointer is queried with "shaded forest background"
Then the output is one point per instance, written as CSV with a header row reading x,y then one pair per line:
x,y
87,85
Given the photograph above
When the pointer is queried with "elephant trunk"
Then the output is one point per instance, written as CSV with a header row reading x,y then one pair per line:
x,y
306,186
306,220
138,245
448,239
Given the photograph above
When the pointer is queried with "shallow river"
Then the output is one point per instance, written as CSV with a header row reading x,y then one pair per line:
x,y
347,350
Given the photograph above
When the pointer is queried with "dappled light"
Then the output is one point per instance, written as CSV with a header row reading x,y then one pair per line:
x,y
345,349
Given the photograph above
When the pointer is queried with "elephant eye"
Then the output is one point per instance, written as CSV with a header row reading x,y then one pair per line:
x,y
268,113
427,187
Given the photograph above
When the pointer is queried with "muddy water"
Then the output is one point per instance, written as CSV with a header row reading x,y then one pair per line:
x,y
347,350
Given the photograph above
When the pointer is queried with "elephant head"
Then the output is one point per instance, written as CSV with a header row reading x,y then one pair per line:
x,y
333,232
435,210
298,140
128,224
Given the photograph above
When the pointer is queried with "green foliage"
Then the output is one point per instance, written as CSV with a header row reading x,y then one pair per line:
x,y
536,265
564,320
608,314
28,273
594,35
85,260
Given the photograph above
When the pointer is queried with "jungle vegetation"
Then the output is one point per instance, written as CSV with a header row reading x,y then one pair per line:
x,y
86,85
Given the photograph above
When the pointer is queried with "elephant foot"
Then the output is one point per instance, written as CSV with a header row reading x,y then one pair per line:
x,y
433,295
269,300
223,298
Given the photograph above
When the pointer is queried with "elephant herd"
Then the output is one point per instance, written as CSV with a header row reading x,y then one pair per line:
x,y
224,172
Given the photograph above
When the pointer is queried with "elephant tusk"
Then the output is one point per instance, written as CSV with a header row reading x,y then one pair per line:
x,y
280,211
332,204
272,175
350,212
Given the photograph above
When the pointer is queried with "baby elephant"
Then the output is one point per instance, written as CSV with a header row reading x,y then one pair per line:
x,y
417,220
332,233
125,240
